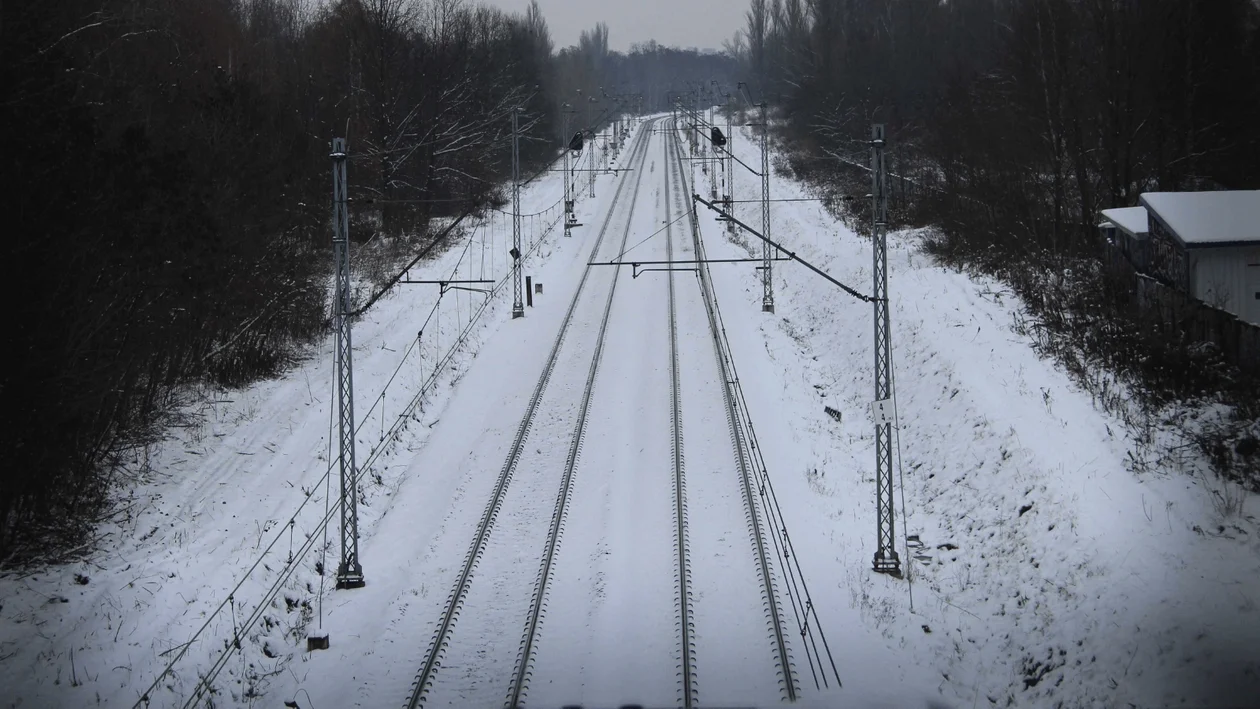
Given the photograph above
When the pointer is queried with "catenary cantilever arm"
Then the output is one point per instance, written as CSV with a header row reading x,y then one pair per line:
x,y
791,254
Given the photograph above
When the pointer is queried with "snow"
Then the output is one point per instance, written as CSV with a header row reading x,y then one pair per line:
x,y
1056,568
1208,218
1133,220
1107,569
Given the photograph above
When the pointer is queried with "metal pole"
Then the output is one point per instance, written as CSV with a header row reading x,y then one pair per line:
x,y
591,149
691,142
730,154
695,123
518,309
703,145
568,192
730,166
886,559
714,158
767,279
349,571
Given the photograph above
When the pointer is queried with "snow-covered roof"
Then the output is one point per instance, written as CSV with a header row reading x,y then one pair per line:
x,y
1131,219
1208,218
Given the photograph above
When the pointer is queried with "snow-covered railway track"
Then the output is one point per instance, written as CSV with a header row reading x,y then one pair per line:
x,y
561,414
525,658
686,617
612,637
728,653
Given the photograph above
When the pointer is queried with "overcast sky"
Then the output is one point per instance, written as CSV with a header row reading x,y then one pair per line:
x,y
677,23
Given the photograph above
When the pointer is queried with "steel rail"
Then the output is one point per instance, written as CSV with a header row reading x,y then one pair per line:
x,y
525,656
757,535
441,637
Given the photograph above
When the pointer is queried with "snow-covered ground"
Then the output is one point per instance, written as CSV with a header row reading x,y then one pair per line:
x,y
1050,574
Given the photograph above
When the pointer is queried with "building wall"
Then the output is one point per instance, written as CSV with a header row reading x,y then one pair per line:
x,y
1137,250
1168,260
1131,247
1228,279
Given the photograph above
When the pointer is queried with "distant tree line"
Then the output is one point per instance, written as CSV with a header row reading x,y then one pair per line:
x,y
647,77
167,190
1044,111
1014,122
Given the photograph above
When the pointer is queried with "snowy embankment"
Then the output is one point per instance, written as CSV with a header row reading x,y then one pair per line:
x,y
1049,573
239,491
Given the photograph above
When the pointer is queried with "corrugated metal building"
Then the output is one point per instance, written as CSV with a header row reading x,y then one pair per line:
x,y
1207,244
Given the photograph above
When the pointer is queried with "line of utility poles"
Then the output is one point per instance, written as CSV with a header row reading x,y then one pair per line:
x,y
883,408
349,569
886,560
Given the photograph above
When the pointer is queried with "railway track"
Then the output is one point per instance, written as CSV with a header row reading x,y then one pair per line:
x,y
567,419
432,662
765,572
686,615
520,675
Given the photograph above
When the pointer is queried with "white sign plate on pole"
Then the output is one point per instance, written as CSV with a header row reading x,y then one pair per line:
x,y
882,411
